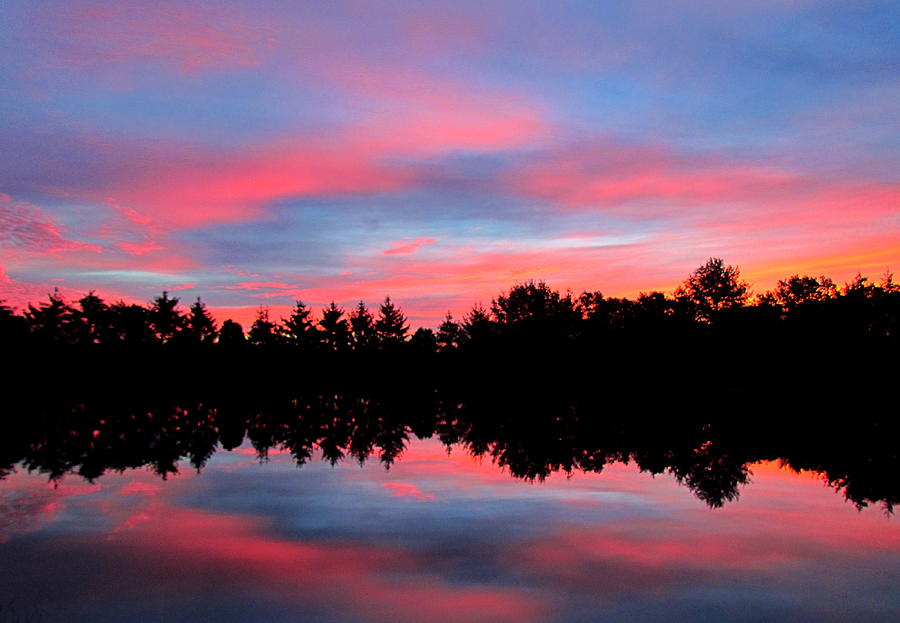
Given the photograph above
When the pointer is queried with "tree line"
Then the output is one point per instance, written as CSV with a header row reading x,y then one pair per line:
x,y
93,424
713,300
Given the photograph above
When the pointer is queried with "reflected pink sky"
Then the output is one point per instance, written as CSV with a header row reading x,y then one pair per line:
x,y
439,537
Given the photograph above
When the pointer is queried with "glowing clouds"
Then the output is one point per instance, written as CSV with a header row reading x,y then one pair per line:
x,y
405,248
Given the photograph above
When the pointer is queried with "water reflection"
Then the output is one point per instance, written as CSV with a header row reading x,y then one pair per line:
x,y
521,500
442,538
530,434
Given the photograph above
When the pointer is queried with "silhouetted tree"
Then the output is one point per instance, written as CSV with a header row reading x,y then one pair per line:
x,y
51,321
93,320
200,326
231,334
797,290
362,328
391,326
449,333
263,332
533,302
860,287
299,329
423,341
132,324
603,315
656,316
13,328
335,328
713,287
165,318
477,327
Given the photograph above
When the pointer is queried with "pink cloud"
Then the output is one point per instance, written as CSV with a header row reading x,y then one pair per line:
x,y
180,187
131,215
24,227
139,487
406,490
259,285
135,248
187,39
25,507
382,584
403,248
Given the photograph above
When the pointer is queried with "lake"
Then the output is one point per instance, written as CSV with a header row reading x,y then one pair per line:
x,y
436,534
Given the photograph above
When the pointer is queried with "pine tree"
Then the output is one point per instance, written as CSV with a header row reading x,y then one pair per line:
x,y
477,326
391,326
362,328
263,332
335,329
201,327
165,318
93,320
449,333
51,321
299,328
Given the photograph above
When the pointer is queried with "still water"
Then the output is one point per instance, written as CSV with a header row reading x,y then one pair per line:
x,y
440,536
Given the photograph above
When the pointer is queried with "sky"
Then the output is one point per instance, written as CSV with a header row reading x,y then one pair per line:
x,y
255,153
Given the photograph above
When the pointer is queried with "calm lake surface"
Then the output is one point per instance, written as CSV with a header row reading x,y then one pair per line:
x,y
438,537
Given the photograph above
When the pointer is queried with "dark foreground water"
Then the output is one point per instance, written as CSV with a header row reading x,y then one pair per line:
x,y
438,537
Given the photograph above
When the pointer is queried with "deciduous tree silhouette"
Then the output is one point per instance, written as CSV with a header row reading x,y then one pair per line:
x,y
423,341
231,334
132,324
13,328
713,287
797,290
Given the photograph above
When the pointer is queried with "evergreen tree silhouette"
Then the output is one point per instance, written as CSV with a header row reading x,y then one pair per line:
x,y
263,332
335,329
165,318
200,326
51,321
449,333
477,327
93,319
299,328
362,328
391,326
